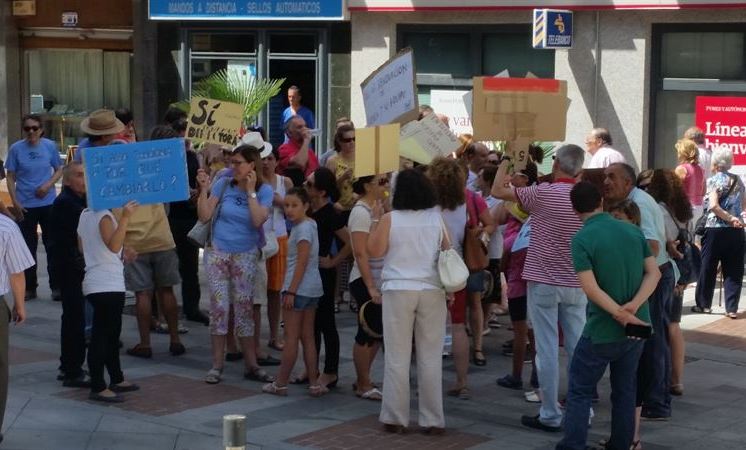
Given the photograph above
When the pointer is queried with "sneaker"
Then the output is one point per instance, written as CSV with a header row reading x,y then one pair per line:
x,y
532,397
510,382
534,422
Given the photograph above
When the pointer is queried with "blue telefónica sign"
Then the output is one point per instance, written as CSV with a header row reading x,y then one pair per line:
x,y
552,28
246,10
149,172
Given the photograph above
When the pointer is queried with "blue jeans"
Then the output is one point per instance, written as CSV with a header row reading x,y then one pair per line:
x,y
654,374
587,368
548,305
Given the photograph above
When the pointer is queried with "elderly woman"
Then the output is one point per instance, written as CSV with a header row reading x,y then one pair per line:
x,y
723,241
414,304
240,206
692,175
34,166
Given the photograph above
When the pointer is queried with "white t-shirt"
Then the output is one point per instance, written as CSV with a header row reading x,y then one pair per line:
x,y
360,221
604,157
104,270
455,221
278,215
472,182
705,161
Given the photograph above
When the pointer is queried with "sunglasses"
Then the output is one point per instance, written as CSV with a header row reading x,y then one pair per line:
x,y
347,140
32,128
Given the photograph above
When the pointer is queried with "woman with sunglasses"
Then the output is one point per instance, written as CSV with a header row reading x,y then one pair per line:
x,y
365,279
240,204
342,164
34,166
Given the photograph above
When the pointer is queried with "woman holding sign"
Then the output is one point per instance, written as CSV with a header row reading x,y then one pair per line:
x,y
238,206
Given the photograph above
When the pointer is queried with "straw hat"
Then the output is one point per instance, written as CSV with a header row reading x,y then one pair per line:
x,y
102,122
254,139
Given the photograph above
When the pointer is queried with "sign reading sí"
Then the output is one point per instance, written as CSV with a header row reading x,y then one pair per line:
x,y
723,119
214,121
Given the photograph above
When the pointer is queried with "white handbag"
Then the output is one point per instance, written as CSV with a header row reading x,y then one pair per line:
x,y
451,268
271,247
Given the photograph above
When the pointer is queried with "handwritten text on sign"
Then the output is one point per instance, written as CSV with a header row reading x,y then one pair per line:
x,y
214,121
149,172
389,93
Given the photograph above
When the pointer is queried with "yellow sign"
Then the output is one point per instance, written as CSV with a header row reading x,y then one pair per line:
x,y
214,121
376,150
24,8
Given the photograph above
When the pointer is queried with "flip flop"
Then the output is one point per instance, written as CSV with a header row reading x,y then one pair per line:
x,y
462,393
274,389
214,376
372,394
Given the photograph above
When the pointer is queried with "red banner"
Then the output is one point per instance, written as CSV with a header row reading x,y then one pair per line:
x,y
723,119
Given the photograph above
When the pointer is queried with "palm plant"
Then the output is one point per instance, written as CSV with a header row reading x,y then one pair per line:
x,y
230,86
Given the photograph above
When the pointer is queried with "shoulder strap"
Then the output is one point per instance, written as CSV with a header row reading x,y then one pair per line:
x,y
445,241
217,207
733,183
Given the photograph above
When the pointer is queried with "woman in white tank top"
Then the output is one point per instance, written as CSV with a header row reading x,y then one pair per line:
x,y
414,304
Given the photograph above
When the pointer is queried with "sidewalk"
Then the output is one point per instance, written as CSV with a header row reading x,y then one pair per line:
x,y
176,410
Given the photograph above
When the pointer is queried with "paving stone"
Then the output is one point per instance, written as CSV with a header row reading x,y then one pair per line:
x,y
102,440
40,439
20,355
368,433
164,394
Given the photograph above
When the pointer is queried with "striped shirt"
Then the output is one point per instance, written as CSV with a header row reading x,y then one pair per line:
x,y
14,254
553,224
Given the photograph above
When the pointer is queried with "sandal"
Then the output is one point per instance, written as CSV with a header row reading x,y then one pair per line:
x,y
372,394
258,375
140,351
479,361
275,345
214,376
317,390
274,389
700,310
462,393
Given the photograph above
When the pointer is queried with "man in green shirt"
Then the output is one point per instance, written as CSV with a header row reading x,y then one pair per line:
x,y
618,273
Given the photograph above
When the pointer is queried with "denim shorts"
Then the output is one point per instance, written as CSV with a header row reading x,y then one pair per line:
x,y
475,282
303,303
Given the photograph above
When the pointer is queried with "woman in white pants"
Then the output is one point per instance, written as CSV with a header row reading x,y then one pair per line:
x,y
414,303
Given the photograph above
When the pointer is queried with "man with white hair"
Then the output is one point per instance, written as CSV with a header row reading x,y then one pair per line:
x,y
598,143
554,293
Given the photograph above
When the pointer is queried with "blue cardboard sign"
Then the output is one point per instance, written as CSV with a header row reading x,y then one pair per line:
x,y
552,28
246,10
148,172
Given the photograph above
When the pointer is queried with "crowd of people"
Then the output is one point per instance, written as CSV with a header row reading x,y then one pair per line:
x,y
593,260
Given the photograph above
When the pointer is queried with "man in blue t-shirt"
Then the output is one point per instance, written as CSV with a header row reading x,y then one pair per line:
x,y
296,109
34,166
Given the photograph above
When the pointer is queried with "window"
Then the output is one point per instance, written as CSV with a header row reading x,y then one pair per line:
x,y
223,43
447,57
690,61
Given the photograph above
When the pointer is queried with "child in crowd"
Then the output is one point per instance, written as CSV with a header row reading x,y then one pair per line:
x,y
300,296
101,239
627,211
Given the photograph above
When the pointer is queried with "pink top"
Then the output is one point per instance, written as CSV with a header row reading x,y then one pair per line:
x,y
693,183
516,283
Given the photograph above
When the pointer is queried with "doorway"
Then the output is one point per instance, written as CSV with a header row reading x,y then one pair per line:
x,y
297,72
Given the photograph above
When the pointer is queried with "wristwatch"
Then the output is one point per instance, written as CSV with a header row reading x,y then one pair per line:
x,y
252,195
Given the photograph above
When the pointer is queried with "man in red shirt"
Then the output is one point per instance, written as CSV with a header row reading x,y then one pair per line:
x,y
296,155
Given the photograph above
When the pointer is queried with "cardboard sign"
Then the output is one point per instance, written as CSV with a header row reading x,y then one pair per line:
x,y
376,150
457,106
504,109
214,121
552,28
518,151
423,140
149,172
390,92
723,119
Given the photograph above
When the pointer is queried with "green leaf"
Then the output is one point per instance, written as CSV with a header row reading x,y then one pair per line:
x,y
251,93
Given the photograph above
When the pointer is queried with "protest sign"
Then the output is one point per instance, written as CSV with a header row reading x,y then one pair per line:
x,y
518,150
423,140
457,106
723,120
214,121
148,172
390,92
504,109
376,150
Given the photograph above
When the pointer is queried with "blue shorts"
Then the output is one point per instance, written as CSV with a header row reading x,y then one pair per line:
x,y
475,282
303,303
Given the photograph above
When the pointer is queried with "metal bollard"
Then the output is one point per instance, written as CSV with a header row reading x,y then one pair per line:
x,y
234,432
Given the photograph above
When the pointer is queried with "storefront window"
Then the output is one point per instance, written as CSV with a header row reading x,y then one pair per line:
x,y
690,63
223,43
449,57
66,85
